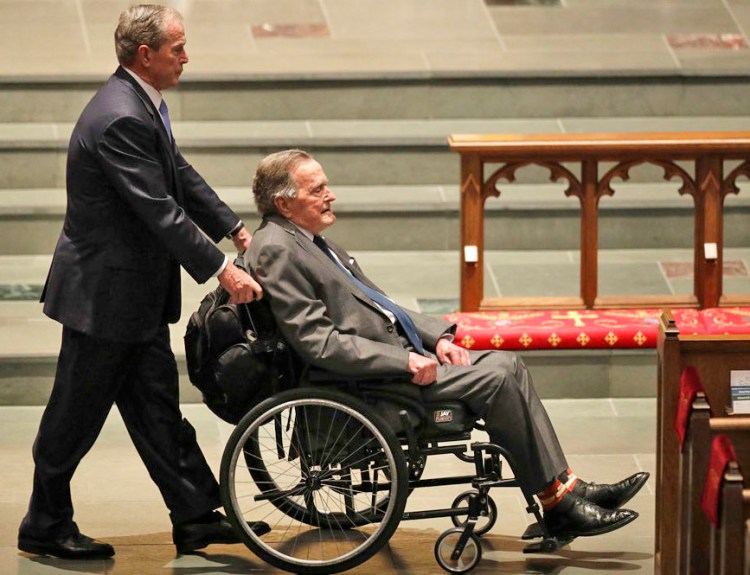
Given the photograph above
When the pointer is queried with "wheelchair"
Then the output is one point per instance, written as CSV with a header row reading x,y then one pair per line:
x,y
329,462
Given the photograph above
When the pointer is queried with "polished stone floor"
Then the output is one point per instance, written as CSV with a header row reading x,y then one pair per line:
x,y
604,439
394,37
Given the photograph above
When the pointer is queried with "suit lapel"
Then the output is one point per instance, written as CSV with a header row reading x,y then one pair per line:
x,y
349,264
167,145
324,262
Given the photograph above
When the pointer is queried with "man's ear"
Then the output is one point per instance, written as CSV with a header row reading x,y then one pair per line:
x,y
282,205
144,56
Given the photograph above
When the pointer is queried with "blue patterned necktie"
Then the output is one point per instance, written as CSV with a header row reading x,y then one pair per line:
x,y
165,117
410,330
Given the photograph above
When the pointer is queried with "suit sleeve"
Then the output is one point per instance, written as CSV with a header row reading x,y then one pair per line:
x,y
202,203
131,160
305,323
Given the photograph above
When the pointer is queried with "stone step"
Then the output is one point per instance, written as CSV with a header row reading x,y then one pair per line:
x,y
428,281
470,94
353,152
525,217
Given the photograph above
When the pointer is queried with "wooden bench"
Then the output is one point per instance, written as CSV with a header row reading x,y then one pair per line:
x,y
714,357
729,540
584,163
694,555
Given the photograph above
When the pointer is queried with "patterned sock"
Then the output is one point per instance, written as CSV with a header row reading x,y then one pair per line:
x,y
552,494
571,481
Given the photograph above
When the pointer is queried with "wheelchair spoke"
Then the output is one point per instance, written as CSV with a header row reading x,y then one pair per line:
x,y
329,480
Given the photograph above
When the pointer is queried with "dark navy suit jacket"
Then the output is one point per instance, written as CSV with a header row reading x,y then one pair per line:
x,y
134,209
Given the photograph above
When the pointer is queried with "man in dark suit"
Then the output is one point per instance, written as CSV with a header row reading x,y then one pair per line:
x,y
338,320
135,212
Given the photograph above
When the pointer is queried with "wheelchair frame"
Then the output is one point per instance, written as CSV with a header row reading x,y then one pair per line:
x,y
334,506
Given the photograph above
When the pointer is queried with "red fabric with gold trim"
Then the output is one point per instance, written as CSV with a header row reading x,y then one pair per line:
x,y
690,385
729,320
566,329
722,452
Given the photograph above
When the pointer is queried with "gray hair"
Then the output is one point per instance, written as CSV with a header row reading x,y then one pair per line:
x,y
273,179
139,25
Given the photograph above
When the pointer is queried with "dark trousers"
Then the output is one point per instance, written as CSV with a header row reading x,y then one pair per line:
x,y
498,387
141,379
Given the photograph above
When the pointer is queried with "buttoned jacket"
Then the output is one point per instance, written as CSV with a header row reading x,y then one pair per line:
x,y
330,322
135,211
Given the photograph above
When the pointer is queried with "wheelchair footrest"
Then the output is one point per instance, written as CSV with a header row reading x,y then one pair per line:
x,y
548,545
533,531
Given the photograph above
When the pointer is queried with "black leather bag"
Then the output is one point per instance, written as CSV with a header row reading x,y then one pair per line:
x,y
234,353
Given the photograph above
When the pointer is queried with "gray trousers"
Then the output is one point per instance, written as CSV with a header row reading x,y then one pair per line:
x,y
498,388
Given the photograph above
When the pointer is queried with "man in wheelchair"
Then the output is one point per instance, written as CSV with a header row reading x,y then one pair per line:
x,y
336,319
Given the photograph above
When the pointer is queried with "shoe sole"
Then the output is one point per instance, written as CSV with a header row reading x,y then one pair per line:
x,y
187,548
600,531
41,549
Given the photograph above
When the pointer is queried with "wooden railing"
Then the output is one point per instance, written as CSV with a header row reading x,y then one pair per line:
x,y
707,184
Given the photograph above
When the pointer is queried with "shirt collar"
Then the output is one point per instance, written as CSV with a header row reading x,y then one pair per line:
x,y
309,235
153,94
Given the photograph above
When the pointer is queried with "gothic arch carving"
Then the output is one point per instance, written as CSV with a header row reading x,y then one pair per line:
x,y
622,171
508,173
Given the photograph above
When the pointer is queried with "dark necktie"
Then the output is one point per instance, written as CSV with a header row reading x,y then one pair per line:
x,y
165,117
410,330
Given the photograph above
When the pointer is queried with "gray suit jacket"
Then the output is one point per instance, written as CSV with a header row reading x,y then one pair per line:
x,y
325,317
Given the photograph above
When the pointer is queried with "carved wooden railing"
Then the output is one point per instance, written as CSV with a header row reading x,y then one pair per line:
x,y
707,185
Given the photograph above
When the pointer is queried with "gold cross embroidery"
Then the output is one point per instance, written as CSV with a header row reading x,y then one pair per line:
x,y
576,317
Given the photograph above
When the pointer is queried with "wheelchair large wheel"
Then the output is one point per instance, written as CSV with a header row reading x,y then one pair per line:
x,y
331,481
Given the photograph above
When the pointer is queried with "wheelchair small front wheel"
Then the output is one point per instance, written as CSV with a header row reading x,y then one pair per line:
x,y
468,557
484,522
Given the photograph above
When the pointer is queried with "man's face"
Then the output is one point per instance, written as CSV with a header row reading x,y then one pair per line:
x,y
311,209
165,64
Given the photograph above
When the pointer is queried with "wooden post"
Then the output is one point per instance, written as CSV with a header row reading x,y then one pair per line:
x,y
709,231
589,233
472,231
667,446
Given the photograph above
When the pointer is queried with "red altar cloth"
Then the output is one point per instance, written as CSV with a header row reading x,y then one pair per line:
x,y
568,329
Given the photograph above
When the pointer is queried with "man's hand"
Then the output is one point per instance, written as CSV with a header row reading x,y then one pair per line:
x,y
242,288
450,353
241,241
423,369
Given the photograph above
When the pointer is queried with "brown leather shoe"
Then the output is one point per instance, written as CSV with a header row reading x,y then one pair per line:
x,y
611,496
76,546
576,517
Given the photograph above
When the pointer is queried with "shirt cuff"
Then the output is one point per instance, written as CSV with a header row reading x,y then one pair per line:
x,y
235,230
222,267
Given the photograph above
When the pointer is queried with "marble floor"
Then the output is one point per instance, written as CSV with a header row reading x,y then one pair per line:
x,y
284,38
604,439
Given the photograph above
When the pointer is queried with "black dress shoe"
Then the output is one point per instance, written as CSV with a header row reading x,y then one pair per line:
x,y
576,517
191,536
76,546
611,496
